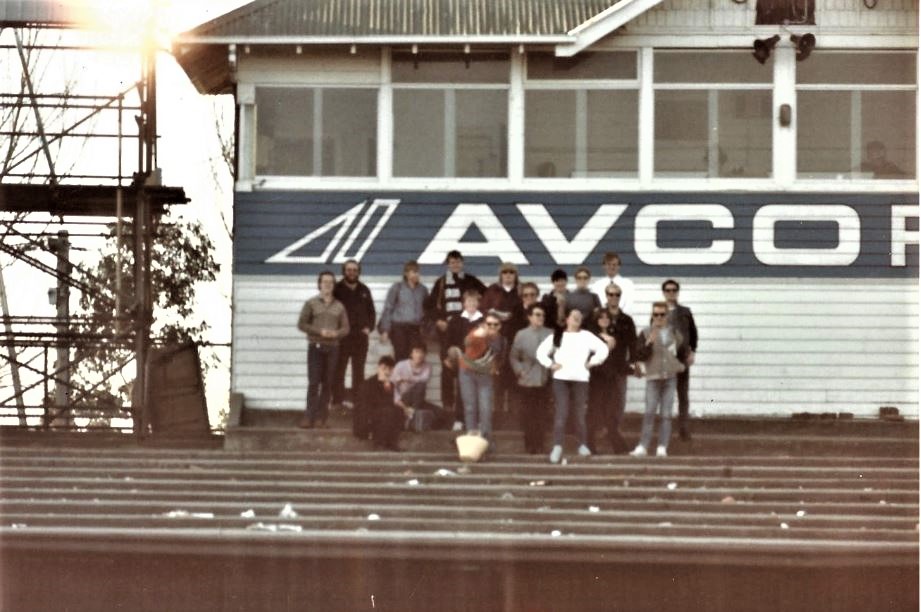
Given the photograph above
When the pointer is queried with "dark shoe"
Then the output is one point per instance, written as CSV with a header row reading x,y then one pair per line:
x,y
684,434
321,424
305,423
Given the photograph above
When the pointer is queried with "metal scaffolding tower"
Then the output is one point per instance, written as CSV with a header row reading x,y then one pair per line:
x,y
44,207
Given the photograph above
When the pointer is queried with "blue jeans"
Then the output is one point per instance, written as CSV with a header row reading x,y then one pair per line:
x,y
660,396
476,391
321,376
569,394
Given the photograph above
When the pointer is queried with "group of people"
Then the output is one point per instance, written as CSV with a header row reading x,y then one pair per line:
x,y
501,346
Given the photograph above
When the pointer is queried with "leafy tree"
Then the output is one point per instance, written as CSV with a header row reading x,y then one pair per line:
x,y
182,257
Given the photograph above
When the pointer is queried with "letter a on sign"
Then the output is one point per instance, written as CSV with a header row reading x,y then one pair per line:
x,y
498,242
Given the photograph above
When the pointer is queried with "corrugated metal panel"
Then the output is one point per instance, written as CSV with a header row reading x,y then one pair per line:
x,y
766,347
56,13
402,18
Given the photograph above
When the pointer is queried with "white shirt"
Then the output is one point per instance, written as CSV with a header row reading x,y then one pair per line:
x,y
576,348
626,290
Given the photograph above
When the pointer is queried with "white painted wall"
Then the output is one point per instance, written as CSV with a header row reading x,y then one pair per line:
x,y
767,347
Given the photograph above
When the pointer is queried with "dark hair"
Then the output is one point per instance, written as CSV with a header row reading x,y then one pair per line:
x,y
454,254
558,274
471,293
584,270
386,360
530,309
418,344
351,261
324,273
671,281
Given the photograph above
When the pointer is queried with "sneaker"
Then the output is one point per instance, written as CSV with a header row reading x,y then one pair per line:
x,y
661,452
584,451
556,454
458,426
639,451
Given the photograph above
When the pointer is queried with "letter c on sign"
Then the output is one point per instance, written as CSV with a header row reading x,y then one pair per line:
x,y
646,235
844,254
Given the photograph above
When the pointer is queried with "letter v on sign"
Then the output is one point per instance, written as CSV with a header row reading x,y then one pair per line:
x,y
574,252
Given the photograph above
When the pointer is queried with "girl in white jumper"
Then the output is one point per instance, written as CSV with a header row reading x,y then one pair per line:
x,y
568,355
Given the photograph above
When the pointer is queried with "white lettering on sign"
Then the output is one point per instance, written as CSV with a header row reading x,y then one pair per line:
x,y
583,243
901,235
498,242
646,235
341,225
767,252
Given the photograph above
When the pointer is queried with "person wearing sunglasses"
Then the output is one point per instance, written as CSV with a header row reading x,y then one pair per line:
x,y
681,319
611,263
503,298
658,347
484,349
608,383
531,376
582,296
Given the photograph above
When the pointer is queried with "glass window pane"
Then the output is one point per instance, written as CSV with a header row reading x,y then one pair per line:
x,y
550,127
445,67
349,132
681,132
481,127
716,133
858,68
882,146
418,132
612,133
614,65
284,131
888,134
711,67
744,135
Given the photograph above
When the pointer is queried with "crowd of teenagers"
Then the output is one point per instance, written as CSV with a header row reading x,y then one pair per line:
x,y
503,348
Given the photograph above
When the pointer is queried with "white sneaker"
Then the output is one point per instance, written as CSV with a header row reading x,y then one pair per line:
x,y
458,426
556,454
639,451
661,452
584,451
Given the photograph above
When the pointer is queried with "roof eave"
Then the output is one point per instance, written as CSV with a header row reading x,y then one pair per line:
x,y
385,39
602,24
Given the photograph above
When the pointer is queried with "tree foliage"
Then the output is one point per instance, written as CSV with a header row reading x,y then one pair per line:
x,y
182,258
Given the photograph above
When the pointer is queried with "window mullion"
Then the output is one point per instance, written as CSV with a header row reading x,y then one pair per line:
x,y
317,131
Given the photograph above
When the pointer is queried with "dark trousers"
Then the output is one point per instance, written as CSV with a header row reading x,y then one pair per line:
x,y
321,374
355,348
387,423
504,384
532,408
403,336
684,379
607,398
450,398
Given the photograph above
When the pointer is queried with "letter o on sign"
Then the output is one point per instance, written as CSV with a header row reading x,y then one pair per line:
x,y
844,254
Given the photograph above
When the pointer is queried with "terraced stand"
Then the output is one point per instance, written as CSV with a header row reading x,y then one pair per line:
x,y
180,529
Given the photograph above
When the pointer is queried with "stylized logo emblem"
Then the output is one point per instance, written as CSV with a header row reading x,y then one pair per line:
x,y
348,228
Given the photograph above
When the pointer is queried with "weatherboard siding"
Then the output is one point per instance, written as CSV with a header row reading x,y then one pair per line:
x,y
767,346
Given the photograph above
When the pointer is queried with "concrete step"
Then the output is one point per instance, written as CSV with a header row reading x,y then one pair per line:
x,y
248,439
235,523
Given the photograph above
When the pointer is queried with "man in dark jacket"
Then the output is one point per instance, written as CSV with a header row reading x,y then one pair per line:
x,y
608,385
681,319
356,297
443,304
375,413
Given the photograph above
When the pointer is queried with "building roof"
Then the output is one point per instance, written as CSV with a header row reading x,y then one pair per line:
x,y
568,25
422,18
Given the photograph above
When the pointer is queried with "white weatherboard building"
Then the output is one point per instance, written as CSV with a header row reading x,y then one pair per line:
x,y
780,190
